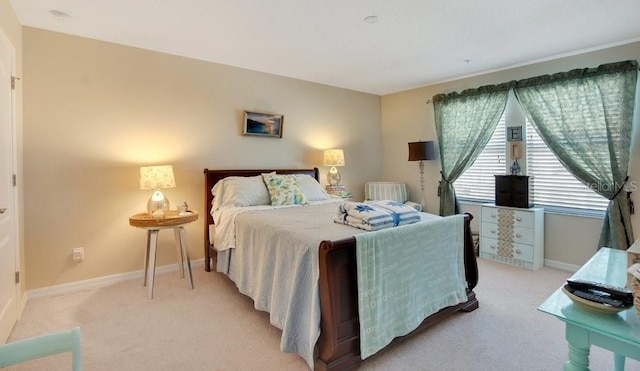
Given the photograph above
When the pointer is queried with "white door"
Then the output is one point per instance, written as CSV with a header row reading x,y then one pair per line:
x,y
8,214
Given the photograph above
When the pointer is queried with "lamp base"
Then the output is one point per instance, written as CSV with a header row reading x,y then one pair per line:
x,y
158,205
333,176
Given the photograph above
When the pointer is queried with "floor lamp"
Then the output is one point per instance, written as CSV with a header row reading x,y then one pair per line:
x,y
421,151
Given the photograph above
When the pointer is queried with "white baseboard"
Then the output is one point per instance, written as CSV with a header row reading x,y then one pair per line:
x,y
101,281
560,265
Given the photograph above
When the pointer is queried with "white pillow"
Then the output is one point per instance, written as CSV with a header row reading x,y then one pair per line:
x,y
240,191
284,190
312,190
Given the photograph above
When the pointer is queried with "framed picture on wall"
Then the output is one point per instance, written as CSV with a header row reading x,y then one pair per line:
x,y
263,124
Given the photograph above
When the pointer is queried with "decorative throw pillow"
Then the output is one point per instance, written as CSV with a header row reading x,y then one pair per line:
x,y
284,189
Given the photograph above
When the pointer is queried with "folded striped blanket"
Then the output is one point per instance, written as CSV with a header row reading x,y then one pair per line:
x,y
375,215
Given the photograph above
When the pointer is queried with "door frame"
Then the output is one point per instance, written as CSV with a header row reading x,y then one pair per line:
x,y
14,199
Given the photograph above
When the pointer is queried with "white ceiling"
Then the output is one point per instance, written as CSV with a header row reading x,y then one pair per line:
x,y
413,44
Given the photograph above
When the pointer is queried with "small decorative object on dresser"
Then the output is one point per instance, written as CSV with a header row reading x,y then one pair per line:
x,y
513,236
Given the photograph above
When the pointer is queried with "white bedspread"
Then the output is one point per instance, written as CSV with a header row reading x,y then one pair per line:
x,y
279,271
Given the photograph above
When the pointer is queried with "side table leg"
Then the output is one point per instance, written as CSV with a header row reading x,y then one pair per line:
x,y
153,240
618,362
185,254
179,248
577,338
146,258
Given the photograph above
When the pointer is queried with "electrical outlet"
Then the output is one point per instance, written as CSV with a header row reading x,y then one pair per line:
x,y
78,254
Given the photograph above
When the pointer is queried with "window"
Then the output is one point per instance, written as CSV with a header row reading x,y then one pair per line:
x,y
478,182
553,186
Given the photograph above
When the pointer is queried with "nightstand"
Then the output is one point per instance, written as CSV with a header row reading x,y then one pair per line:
x,y
153,226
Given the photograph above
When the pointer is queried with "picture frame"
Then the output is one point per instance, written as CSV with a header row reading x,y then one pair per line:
x,y
514,133
263,124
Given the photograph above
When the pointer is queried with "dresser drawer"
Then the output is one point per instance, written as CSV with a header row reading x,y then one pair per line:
x,y
508,233
508,215
507,249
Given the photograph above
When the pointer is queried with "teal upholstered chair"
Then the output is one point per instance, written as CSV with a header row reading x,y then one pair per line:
x,y
42,346
396,191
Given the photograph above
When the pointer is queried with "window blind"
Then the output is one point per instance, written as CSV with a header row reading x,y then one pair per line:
x,y
553,186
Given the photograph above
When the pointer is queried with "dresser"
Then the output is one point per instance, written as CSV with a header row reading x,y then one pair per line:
x,y
512,235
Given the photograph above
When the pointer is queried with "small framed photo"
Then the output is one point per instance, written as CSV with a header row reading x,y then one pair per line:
x,y
514,133
263,124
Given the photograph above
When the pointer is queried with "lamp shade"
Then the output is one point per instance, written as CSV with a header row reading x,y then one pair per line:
x,y
419,151
333,157
157,177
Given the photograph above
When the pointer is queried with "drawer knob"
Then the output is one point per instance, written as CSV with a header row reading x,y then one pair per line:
x,y
493,216
493,231
493,247
519,219
518,251
518,235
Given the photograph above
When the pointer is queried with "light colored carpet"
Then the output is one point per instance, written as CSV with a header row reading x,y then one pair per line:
x,y
213,327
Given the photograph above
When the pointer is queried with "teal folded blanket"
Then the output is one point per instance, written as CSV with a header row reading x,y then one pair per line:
x,y
405,274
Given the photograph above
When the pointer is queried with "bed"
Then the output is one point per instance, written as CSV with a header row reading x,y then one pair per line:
x,y
338,344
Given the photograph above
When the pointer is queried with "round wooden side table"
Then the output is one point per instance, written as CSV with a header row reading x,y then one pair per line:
x,y
153,225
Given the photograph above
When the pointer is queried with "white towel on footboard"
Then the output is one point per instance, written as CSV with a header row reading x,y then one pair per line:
x,y
405,274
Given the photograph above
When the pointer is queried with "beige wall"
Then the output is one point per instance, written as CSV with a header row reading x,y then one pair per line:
x,y
407,117
96,111
11,27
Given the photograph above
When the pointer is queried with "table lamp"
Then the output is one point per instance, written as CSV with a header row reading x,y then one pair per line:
x,y
421,151
156,178
333,158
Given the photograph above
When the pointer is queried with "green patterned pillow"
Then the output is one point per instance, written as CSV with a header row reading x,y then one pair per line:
x,y
284,189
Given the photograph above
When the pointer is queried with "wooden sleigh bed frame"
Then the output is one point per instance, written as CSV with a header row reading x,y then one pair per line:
x,y
338,347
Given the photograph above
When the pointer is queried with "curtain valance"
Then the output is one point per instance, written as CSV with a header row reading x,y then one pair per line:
x,y
543,79
578,73
486,89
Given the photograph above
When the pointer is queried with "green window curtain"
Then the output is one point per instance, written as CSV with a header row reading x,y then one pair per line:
x,y
585,117
464,124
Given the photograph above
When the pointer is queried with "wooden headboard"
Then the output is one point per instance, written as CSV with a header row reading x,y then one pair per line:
x,y
211,177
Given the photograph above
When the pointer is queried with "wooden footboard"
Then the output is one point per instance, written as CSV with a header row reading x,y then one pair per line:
x,y
338,347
